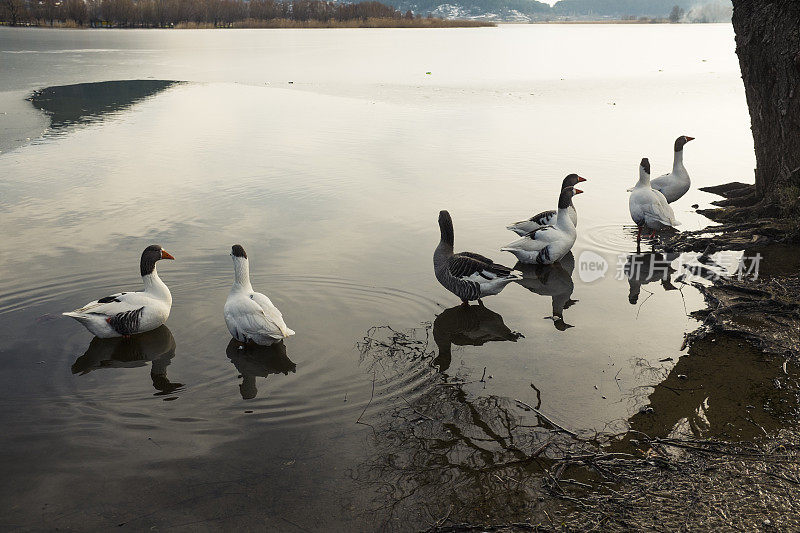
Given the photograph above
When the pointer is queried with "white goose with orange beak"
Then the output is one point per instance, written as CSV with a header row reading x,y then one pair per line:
x,y
128,313
548,218
548,244
676,183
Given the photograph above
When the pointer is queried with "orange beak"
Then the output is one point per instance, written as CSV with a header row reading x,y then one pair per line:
x,y
578,191
688,138
580,179
166,255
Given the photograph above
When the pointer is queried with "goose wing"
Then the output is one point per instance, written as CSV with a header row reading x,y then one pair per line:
x,y
272,313
472,266
535,240
252,320
542,218
113,305
659,209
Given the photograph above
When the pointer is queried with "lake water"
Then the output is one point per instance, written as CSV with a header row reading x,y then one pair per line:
x,y
328,154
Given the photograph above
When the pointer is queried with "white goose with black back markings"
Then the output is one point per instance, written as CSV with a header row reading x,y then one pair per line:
x,y
649,208
548,218
548,244
676,183
128,313
468,275
250,316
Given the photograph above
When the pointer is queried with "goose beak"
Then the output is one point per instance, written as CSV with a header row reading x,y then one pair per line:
x,y
166,255
688,138
578,191
580,179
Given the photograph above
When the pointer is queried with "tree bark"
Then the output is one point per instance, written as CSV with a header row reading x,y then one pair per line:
x,y
768,46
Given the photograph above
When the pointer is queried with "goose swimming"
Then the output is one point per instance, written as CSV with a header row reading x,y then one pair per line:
x,y
648,207
251,316
676,183
468,275
548,244
548,218
128,313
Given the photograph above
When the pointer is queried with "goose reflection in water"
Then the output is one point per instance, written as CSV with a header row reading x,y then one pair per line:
x,y
643,268
252,360
552,280
156,346
467,325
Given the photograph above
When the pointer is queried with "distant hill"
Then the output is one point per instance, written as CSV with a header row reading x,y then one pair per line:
x,y
527,10
502,10
620,8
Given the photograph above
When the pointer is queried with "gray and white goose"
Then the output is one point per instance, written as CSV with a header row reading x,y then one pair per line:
x,y
548,244
548,218
128,313
468,275
676,183
249,315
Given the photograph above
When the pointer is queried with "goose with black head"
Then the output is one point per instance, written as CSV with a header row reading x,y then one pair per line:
x,y
548,244
128,313
250,316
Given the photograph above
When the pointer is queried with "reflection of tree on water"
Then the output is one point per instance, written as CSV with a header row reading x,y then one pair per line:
x,y
445,451
722,388
84,102
252,360
552,280
448,454
467,325
157,347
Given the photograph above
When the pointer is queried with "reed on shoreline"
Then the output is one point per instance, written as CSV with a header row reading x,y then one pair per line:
x,y
216,14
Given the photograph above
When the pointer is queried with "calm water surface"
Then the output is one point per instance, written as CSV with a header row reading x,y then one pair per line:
x,y
328,154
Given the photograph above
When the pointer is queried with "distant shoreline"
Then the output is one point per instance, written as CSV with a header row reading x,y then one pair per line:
x,y
283,24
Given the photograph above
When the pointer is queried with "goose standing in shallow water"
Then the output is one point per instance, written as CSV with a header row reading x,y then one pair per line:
x,y
127,313
548,244
648,207
250,316
548,218
468,275
676,183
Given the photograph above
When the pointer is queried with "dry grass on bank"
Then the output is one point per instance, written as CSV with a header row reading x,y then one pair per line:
x,y
357,23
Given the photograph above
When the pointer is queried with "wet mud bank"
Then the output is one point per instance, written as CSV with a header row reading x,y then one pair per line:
x,y
762,307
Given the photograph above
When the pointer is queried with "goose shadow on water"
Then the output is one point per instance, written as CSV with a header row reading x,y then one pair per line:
x,y
552,280
252,360
648,267
156,346
467,325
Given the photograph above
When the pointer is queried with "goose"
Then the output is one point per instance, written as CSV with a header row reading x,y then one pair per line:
x,y
676,183
468,275
250,316
127,313
548,218
548,244
649,207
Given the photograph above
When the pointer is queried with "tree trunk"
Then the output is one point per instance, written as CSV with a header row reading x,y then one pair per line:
x,y
768,46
